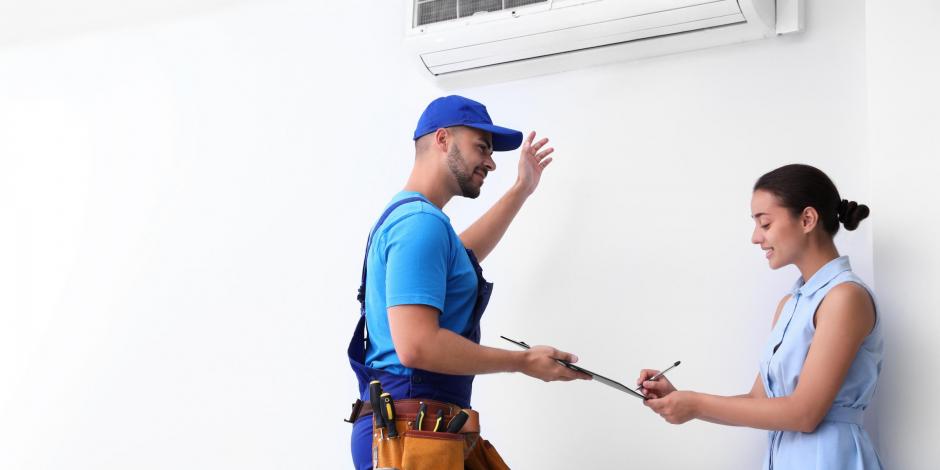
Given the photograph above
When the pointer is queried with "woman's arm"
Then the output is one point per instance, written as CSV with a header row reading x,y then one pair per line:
x,y
663,387
843,320
757,391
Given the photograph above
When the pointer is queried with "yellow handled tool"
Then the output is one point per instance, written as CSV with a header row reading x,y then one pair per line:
x,y
419,420
388,413
439,421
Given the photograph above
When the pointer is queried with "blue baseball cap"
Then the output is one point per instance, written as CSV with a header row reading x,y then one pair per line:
x,y
456,110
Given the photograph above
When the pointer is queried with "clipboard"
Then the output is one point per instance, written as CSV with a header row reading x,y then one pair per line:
x,y
598,377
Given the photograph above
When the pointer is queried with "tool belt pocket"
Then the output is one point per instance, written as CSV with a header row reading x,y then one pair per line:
x,y
388,452
421,450
426,450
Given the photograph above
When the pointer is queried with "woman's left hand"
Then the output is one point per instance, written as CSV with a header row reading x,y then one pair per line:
x,y
677,407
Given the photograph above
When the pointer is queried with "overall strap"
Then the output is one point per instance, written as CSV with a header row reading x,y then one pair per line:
x,y
362,287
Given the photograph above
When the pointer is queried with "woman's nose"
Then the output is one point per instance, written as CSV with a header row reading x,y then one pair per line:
x,y
756,237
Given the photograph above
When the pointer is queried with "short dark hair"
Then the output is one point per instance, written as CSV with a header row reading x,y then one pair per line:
x,y
799,186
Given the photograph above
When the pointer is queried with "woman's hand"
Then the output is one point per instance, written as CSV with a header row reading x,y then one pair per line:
x,y
677,407
654,389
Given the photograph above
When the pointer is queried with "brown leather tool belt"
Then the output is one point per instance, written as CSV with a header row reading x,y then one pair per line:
x,y
407,409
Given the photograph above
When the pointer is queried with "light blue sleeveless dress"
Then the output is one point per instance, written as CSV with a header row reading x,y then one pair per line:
x,y
839,442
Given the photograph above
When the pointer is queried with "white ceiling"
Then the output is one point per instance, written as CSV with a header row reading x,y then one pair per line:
x,y
24,21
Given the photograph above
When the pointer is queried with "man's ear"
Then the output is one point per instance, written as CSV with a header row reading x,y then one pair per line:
x,y
443,138
809,219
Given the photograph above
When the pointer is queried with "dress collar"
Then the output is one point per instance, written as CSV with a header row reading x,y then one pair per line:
x,y
822,277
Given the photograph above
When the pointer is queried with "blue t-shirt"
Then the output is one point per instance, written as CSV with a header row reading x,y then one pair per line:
x,y
416,258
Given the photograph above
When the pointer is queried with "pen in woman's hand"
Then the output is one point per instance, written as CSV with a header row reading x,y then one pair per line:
x,y
653,378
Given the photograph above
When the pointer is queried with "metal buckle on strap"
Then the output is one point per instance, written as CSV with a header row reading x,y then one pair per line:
x,y
356,408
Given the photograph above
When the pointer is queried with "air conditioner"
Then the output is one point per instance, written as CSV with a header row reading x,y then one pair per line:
x,y
457,36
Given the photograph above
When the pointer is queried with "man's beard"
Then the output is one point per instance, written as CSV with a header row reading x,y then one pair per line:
x,y
457,165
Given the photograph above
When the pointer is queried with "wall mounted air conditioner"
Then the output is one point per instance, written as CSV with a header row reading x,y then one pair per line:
x,y
452,37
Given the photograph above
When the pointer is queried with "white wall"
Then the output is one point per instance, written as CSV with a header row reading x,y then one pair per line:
x,y
904,116
184,206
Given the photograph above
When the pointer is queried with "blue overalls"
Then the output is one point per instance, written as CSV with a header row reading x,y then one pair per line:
x,y
454,389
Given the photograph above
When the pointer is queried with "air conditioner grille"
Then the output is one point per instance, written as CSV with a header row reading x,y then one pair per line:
x,y
436,11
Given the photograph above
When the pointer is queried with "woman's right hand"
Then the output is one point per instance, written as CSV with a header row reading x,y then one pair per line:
x,y
654,389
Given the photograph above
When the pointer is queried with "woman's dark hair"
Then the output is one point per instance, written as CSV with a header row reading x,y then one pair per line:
x,y
800,186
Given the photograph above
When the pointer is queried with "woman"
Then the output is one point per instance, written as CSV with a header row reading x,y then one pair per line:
x,y
819,368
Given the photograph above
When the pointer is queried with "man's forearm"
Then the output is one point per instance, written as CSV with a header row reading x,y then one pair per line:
x,y
446,352
483,235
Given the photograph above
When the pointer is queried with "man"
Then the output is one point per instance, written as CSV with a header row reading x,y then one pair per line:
x,y
424,292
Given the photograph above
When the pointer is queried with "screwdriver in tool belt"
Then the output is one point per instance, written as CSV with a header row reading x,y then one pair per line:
x,y
375,392
439,421
419,419
388,409
457,422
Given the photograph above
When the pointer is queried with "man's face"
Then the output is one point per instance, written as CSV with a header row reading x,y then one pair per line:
x,y
470,158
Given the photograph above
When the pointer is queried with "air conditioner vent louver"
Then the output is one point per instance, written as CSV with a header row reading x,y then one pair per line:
x,y
436,11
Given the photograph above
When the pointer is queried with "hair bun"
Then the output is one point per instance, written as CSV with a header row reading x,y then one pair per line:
x,y
851,213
